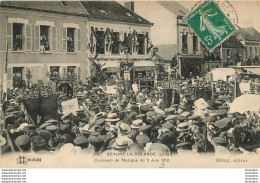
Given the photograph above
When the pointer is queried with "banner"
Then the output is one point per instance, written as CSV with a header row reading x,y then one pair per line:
x,y
244,87
111,89
70,106
135,87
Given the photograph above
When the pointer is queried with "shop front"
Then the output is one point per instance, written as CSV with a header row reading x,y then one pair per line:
x,y
190,66
144,74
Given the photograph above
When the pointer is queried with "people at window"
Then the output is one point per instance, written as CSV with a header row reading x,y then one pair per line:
x,y
17,37
44,38
93,41
108,39
71,72
135,41
70,40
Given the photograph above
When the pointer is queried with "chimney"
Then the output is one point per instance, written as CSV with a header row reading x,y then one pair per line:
x,y
130,5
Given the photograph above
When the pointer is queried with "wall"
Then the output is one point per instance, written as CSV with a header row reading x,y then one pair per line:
x,y
32,57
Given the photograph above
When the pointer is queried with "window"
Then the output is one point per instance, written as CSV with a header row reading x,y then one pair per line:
x,y
115,42
64,4
17,76
70,39
250,52
17,37
100,46
54,72
141,45
71,72
44,38
228,54
256,52
195,44
184,43
128,14
103,12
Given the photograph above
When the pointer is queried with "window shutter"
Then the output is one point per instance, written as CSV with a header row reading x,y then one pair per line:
x,y
36,38
10,77
28,37
64,71
79,72
88,37
121,36
76,40
64,39
53,38
79,41
9,36
224,54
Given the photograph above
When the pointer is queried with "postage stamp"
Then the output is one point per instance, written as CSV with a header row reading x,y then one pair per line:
x,y
210,24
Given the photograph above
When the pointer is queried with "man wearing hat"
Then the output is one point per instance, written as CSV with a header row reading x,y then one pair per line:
x,y
121,143
96,143
38,144
23,143
81,141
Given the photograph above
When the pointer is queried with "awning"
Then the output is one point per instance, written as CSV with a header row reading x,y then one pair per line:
x,y
255,71
143,64
108,64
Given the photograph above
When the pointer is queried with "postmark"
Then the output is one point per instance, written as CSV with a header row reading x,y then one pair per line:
x,y
210,24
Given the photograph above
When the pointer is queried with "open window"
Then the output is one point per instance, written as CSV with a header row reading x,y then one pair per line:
x,y
100,45
141,46
115,42
54,71
195,43
18,36
70,39
71,72
17,76
185,43
44,38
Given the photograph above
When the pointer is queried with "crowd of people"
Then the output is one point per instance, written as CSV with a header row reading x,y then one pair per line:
x,y
137,122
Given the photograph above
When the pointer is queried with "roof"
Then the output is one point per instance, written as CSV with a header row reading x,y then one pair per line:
x,y
249,34
167,51
174,7
232,42
112,11
73,8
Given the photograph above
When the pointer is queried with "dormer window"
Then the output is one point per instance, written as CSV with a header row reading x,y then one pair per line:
x,y
64,4
103,12
128,14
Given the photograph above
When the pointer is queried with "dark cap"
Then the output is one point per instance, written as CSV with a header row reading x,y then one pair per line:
x,y
38,141
81,140
144,108
22,140
142,139
223,122
95,141
220,141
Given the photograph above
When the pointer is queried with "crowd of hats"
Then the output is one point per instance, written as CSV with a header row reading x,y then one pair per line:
x,y
135,122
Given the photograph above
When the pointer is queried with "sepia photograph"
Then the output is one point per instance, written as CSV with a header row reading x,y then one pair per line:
x,y
130,84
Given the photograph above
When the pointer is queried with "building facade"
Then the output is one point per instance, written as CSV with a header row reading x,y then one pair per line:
x,y
189,56
44,41
116,35
250,38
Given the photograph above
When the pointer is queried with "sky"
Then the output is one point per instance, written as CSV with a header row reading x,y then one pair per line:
x,y
248,13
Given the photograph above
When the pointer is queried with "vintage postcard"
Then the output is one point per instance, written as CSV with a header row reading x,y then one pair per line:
x,y
130,84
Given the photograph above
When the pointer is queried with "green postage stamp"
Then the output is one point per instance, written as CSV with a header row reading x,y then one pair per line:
x,y
210,24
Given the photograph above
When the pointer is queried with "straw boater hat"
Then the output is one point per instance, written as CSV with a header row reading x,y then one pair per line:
x,y
123,128
112,117
121,143
137,124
